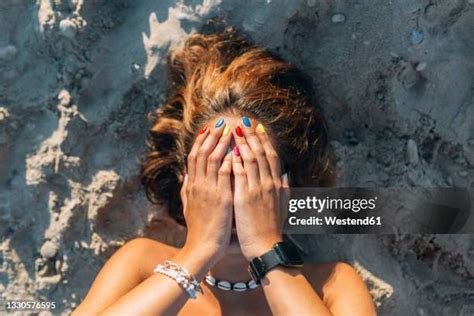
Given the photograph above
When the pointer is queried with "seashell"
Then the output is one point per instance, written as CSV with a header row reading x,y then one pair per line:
x,y
210,280
252,284
239,287
224,285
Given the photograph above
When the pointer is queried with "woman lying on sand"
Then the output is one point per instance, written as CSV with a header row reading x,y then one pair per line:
x,y
239,125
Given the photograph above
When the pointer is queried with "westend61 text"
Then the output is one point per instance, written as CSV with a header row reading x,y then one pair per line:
x,y
334,221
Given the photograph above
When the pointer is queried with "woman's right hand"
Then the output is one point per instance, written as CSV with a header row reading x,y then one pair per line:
x,y
207,195
207,202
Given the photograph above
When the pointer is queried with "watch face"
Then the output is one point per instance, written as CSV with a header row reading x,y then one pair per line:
x,y
289,254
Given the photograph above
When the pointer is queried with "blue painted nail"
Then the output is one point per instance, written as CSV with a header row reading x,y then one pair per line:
x,y
220,122
228,150
246,121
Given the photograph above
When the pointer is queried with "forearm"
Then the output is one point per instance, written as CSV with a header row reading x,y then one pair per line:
x,y
289,293
159,294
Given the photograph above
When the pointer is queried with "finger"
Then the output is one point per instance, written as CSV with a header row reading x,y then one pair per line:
x,y
270,152
256,146
215,158
285,195
284,181
192,156
249,160
240,175
223,181
207,147
183,192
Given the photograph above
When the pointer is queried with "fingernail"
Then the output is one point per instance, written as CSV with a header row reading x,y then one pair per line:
x,y
238,131
220,122
228,150
260,128
236,151
246,121
203,129
226,130
284,176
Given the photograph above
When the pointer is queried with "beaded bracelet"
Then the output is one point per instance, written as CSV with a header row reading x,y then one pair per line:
x,y
182,276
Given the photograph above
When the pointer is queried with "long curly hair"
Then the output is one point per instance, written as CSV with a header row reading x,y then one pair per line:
x,y
225,73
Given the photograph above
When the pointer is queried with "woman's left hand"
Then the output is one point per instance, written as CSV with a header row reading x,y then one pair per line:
x,y
257,172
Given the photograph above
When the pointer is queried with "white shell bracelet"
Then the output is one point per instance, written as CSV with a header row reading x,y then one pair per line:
x,y
228,286
185,279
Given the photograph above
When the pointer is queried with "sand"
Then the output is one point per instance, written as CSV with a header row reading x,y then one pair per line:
x,y
395,80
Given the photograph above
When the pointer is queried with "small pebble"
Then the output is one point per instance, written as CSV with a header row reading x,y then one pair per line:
x,y
394,55
338,18
3,113
409,77
463,173
48,250
421,66
68,28
416,37
78,76
72,5
412,152
421,311
135,68
311,3
64,97
8,52
58,265
353,141
471,1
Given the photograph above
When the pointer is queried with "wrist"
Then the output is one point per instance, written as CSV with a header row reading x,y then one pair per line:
x,y
262,246
197,261
278,273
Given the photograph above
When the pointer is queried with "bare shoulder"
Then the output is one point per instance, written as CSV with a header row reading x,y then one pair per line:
x,y
143,254
341,288
150,252
126,268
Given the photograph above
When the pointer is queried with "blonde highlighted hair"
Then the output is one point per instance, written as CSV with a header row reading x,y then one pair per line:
x,y
223,73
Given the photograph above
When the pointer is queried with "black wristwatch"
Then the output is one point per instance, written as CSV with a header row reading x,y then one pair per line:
x,y
283,253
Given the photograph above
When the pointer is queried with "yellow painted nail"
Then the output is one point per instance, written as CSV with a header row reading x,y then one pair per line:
x,y
226,130
260,128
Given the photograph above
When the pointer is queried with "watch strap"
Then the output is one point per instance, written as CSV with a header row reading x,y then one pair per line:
x,y
271,259
259,266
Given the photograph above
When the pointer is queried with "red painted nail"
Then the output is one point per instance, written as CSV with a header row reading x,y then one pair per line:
x,y
236,151
203,129
238,131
